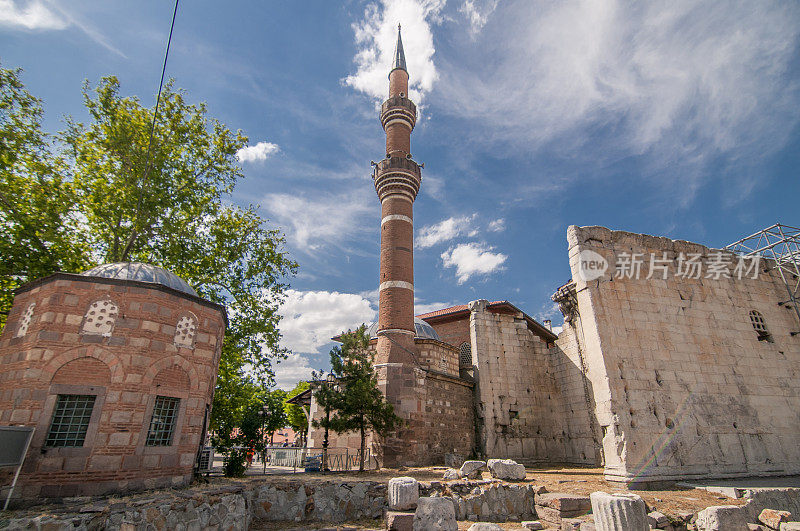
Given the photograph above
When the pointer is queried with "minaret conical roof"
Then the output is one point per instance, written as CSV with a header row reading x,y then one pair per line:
x,y
399,56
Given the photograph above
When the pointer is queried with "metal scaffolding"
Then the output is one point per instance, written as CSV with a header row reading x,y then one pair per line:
x,y
779,248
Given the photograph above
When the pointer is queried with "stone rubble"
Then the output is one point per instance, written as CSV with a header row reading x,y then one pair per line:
x,y
472,469
435,514
773,519
403,493
506,469
552,507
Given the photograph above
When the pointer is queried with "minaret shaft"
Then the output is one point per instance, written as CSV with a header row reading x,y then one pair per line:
x,y
397,180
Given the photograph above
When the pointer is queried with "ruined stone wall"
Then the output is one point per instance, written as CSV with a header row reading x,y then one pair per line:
x,y
121,342
682,385
520,407
582,438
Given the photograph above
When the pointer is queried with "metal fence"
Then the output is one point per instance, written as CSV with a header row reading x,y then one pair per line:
x,y
339,459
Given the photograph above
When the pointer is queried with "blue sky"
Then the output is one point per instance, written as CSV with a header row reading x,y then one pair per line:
x,y
673,118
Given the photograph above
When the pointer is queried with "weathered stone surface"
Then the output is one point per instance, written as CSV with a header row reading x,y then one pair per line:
x,y
772,518
533,524
435,514
472,469
722,518
451,474
757,527
790,526
403,493
571,524
588,526
657,519
619,512
397,521
566,504
453,460
484,526
506,469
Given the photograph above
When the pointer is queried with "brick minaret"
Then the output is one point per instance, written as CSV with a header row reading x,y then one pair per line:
x,y
397,180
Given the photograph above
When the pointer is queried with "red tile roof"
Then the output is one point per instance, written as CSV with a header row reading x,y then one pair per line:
x,y
451,309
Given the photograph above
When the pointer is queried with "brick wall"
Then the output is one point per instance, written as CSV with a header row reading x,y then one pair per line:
x,y
125,370
682,385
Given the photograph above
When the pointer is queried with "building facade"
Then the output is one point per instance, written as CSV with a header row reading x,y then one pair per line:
x,y
115,369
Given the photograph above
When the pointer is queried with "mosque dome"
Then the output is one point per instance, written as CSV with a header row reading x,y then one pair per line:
x,y
141,272
424,330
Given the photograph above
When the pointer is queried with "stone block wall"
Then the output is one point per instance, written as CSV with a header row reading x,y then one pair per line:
x,y
520,406
681,382
136,355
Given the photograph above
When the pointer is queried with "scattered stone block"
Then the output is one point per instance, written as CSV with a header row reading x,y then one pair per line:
x,y
450,474
472,469
506,469
398,521
773,519
617,512
403,493
588,526
484,526
657,519
757,527
722,518
532,524
790,526
571,524
435,514
567,505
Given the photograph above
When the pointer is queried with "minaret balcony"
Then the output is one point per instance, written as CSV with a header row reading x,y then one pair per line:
x,y
397,175
398,109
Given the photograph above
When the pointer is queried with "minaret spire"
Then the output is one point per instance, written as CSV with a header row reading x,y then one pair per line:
x,y
399,55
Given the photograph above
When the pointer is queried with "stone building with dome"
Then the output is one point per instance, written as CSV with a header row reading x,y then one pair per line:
x,y
115,369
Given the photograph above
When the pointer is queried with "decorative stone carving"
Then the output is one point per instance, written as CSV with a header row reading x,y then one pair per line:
x,y
100,318
619,512
185,331
403,493
25,321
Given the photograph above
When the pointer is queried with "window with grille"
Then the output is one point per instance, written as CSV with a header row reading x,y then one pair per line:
x,y
162,423
760,326
70,420
465,356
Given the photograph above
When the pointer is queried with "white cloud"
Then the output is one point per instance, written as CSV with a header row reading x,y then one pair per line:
x,y
443,231
308,321
477,13
498,225
419,309
261,151
311,224
31,15
682,82
376,36
472,259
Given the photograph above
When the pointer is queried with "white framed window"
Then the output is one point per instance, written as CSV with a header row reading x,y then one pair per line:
x,y
100,318
185,331
25,321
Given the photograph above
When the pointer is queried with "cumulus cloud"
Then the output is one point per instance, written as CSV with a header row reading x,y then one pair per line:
x,y
682,82
420,308
471,259
31,16
261,151
443,231
308,320
376,36
498,225
313,223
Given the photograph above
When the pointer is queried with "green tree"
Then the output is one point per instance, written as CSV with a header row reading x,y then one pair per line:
x,y
40,231
355,402
296,415
275,413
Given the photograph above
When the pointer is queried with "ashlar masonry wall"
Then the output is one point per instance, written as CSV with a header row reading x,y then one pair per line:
x,y
521,407
682,385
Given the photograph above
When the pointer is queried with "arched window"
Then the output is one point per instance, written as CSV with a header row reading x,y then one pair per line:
x,y
185,331
25,321
100,318
760,326
465,356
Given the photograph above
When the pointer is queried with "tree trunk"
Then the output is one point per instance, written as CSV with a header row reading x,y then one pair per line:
x,y
361,457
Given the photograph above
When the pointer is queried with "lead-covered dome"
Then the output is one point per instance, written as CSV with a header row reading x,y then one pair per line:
x,y
141,272
423,329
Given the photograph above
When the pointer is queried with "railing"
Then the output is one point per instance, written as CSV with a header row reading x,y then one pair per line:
x,y
339,459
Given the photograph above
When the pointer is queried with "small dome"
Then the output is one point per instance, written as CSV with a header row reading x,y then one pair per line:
x,y
141,272
424,330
